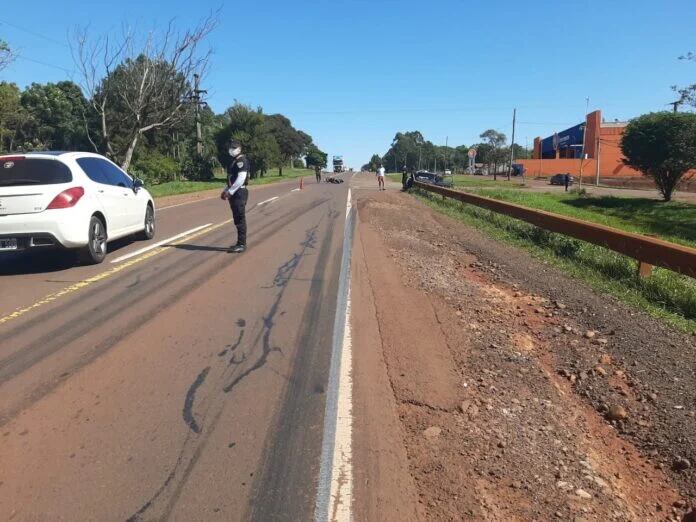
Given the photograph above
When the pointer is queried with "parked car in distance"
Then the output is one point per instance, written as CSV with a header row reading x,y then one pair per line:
x,y
70,200
559,179
448,173
425,176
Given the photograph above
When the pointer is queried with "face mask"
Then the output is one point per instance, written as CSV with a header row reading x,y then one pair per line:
x,y
235,152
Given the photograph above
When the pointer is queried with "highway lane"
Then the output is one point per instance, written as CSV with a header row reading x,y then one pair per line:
x,y
26,279
188,385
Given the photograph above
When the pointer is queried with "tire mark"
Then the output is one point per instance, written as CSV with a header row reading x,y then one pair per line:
x,y
236,345
187,412
281,279
194,444
68,332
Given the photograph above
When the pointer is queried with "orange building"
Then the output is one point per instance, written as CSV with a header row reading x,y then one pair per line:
x,y
561,152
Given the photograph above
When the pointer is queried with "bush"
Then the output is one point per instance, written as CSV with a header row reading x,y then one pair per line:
x,y
154,168
198,168
661,145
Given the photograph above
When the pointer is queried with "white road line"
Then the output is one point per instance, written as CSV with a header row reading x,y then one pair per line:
x,y
295,190
267,201
349,204
159,244
335,488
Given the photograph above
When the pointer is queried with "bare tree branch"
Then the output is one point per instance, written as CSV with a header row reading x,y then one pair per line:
x,y
7,55
137,84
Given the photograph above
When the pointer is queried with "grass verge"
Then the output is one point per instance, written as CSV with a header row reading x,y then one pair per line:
x,y
674,221
666,295
172,188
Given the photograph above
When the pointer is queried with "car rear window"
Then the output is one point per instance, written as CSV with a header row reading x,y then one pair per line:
x,y
32,171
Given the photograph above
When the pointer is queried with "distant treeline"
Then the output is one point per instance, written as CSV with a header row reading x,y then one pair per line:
x,y
412,150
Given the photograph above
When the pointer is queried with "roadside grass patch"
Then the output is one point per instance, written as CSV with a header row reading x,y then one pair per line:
x,y
272,176
667,295
674,221
172,188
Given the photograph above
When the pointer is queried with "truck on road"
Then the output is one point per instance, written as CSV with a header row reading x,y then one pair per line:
x,y
338,165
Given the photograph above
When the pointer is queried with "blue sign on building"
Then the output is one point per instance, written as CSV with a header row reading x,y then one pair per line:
x,y
568,139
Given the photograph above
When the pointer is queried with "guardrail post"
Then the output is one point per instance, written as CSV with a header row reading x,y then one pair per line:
x,y
645,269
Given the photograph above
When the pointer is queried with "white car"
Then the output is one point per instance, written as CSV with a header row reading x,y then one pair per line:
x,y
73,200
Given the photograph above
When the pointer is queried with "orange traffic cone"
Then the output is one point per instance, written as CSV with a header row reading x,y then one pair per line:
x,y
301,183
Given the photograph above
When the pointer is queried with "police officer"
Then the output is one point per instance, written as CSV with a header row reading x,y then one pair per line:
x,y
404,177
236,192
317,173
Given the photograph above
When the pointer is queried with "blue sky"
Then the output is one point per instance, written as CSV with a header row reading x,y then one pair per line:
x,y
353,73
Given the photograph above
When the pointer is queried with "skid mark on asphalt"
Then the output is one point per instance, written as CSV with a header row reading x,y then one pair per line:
x,y
281,279
187,412
196,441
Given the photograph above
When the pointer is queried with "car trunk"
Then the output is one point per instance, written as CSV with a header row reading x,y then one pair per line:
x,y
28,185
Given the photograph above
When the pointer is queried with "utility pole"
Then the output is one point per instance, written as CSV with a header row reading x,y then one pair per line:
x,y
195,97
512,145
599,155
584,133
675,104
446,162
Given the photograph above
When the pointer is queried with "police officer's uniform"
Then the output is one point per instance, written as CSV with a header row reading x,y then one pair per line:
x,y
238,199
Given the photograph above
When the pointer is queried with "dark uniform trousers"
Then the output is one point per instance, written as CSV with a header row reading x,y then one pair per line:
x,y
238,202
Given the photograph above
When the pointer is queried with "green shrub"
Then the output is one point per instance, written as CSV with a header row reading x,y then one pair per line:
x,y
154,168
198,168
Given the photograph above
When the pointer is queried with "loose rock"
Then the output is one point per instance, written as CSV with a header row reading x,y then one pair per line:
x,y
681,463
582,494
432,432
616,413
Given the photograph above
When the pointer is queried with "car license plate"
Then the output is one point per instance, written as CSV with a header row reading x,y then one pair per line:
x,y
8,244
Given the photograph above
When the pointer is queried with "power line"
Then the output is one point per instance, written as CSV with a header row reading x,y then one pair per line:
x,y
37,35
70,71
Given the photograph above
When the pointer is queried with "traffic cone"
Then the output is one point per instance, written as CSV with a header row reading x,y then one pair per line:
x,y
301,183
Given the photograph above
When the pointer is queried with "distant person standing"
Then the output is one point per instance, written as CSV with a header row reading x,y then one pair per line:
x,y
566,181
380,177
317,172
404,177
236,192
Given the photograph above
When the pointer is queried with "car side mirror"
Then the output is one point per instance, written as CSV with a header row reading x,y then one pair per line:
x,y
138,184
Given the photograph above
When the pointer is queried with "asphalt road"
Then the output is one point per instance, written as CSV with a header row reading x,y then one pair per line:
x,y
182,383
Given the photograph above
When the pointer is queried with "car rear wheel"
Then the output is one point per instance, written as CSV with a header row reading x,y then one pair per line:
x,y
95,251
148,231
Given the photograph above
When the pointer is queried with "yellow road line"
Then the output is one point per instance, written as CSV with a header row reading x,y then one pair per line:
x,y
104,275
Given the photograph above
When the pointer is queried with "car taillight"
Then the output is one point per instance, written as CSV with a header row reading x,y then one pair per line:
x,y
66,199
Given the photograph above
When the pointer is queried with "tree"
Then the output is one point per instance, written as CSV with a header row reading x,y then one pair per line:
x,y
7,56
687,94
406,149
55,116
135,86
290,141
11,115
661,145
375,162
497,153
315,157
249,127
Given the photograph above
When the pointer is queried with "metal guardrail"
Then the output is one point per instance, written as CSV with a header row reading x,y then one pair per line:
x,y
648,251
